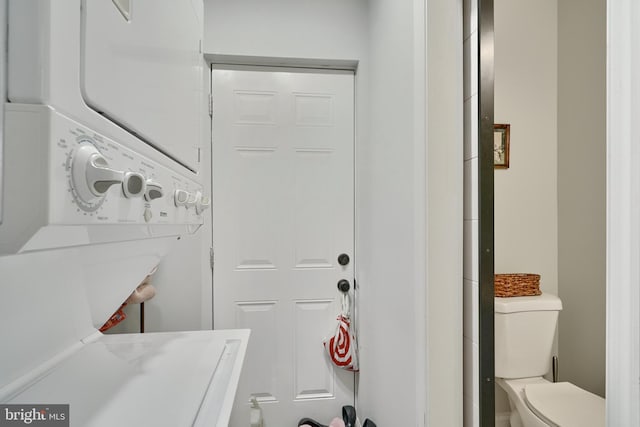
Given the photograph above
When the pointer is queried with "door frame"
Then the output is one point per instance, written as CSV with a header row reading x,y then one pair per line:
x,y
486,258
623,214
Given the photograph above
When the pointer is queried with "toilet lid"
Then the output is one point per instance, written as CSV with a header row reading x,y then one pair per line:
x,y
565,405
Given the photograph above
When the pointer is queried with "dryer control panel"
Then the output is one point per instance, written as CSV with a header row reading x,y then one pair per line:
x,y
109,183
75,186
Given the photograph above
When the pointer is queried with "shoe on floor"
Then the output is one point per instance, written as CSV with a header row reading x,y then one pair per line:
x,y
349,416
310,423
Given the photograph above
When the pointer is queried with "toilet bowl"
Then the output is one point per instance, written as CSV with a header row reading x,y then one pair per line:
x,y
536,402
524,332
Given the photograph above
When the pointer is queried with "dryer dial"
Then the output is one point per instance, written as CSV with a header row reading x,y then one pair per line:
x,y
91,176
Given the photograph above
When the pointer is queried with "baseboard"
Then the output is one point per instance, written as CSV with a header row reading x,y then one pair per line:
x,y
502,419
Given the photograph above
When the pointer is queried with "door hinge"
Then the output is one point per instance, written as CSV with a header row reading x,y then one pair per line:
x,y
211,261
211,105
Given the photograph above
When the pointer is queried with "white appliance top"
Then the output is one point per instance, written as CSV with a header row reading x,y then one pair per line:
x,y
544,302
564,404
159,379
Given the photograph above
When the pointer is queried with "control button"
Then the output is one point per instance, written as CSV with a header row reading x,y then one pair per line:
x,y
147,214
191,201
202,203
154,191
133,185
180,197
91,174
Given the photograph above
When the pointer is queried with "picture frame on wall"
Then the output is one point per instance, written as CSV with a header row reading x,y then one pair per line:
x,y
501,136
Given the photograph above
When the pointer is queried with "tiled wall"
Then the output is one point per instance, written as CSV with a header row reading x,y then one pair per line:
x,y
471,368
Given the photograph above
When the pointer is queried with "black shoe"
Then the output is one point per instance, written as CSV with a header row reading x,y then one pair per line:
x,y
349,416
368,423
309,421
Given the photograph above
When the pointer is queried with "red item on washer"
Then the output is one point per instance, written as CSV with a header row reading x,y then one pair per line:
x,y
115,318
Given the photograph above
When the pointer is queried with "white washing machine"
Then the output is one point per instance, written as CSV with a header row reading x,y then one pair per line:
x,y
100,176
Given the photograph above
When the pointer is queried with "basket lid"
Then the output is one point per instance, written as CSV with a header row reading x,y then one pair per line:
x,y
544,302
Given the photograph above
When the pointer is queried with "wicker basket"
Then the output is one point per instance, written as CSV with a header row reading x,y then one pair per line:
x,y
516,285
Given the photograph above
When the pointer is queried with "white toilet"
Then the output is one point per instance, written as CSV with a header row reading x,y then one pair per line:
x,y
524,332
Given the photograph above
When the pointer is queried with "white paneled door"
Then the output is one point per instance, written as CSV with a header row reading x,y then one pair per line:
x,y
283,212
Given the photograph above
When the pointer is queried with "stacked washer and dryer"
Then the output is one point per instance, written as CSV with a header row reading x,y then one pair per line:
x,y
100,176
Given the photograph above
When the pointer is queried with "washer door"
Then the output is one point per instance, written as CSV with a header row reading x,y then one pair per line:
x,y
141,66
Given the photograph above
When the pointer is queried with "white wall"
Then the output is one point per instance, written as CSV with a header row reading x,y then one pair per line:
x,y
471,398
623,211
526,197
581,191
445,138
393,238
329,29
390,237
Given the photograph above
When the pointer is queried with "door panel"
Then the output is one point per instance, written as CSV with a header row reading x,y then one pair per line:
x,y
283,211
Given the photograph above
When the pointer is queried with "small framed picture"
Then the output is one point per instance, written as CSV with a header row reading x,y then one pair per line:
x,y
501,146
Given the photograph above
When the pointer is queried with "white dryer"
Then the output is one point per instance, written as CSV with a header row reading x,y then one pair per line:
x,y
100,176
135,65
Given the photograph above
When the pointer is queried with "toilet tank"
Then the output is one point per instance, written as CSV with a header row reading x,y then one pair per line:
x,y
524,331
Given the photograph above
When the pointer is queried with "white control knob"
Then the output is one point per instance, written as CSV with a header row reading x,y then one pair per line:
x,y
202,203
91,174
133,184
154,191
180,197
191,201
